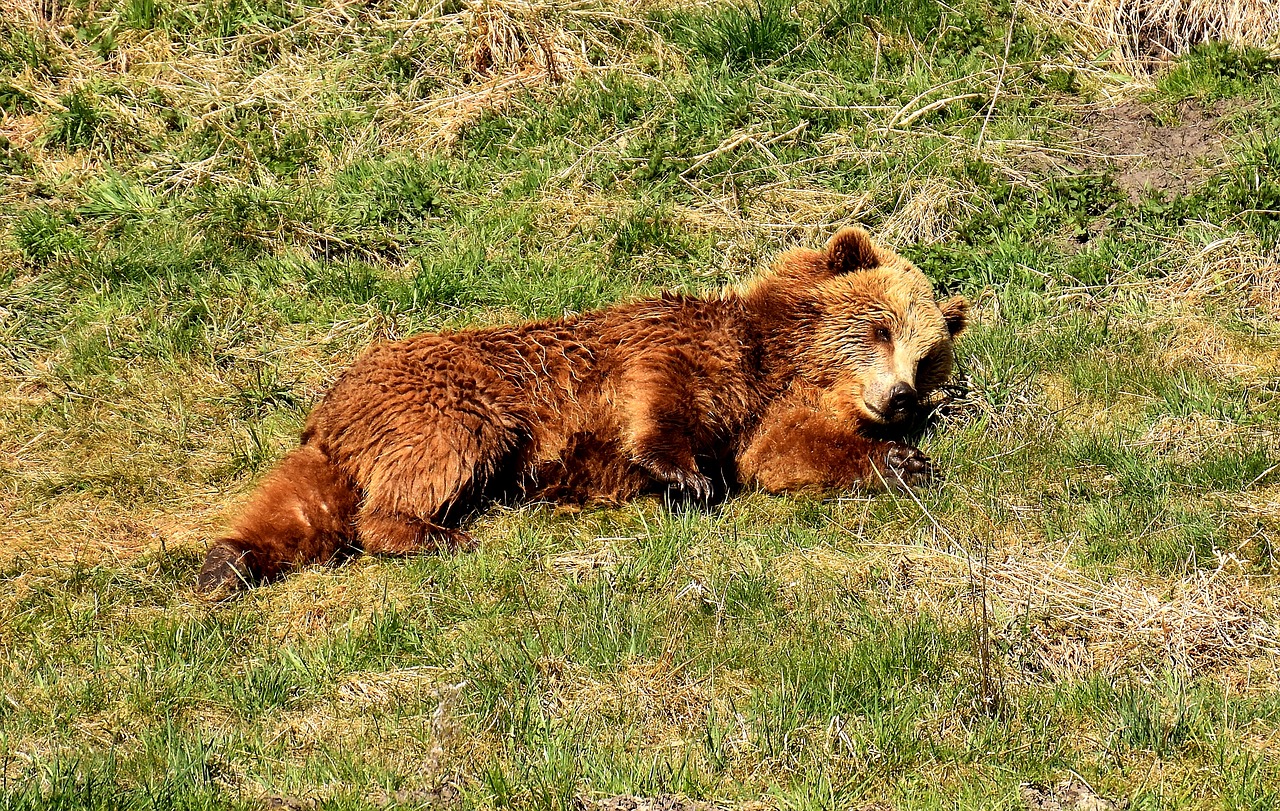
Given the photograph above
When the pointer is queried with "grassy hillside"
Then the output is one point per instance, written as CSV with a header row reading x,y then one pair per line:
x,y
208,208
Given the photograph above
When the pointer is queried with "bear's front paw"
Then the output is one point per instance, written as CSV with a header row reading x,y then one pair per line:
x,y
906,467
692,483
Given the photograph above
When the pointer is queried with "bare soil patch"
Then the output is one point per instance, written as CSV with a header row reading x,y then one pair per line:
x,y
663,802
1072,795
1149,156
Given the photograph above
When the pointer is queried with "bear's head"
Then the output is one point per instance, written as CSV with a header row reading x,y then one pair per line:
x,y
874,335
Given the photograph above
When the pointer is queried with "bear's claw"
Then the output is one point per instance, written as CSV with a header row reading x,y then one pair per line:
x,y
907,466
694,483
224,572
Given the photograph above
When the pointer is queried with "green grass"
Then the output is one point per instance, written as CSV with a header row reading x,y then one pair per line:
x,y
209,208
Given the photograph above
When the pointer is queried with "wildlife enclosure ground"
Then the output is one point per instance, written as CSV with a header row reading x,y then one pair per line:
x,y
209,207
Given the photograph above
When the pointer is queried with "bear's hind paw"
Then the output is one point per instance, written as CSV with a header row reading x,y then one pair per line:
x,y
225,572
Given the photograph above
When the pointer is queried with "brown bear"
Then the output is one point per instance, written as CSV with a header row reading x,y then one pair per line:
x,y
776,384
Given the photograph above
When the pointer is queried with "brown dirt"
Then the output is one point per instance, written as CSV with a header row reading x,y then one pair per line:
x,y
1072,795
1171,160
663,802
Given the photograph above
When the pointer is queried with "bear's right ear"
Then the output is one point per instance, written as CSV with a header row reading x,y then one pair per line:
x,y
851,250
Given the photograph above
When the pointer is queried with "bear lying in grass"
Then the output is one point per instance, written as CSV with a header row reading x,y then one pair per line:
x,y
773,385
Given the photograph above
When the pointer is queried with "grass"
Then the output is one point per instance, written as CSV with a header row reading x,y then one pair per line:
x,y
209,208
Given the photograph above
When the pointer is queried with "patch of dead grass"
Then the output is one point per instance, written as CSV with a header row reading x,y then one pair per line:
x,y
662,802
1054,622
1062,624
664,701
1136,35
318,601
928,210
579,565
815,210
507,48
1232,276
1217,353
366,690
79,529
507,37
1193,437
809,578
1233,270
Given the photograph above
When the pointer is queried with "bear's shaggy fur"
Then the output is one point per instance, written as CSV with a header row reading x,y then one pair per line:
x,y
773,385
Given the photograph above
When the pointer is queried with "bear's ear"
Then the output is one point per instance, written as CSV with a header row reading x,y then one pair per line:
x,y
851,250
955,311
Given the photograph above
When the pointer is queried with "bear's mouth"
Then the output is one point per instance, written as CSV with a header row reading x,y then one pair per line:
x,y
880,416
888,417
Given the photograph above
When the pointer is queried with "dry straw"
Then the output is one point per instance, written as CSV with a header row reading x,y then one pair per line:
x,y
1234,268
507,47
928,210
1061,623
1134,36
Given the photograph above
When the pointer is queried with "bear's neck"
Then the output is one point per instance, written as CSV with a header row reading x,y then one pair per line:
x,y
780,328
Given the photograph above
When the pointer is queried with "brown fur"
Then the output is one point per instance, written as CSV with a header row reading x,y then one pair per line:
x,y
770,385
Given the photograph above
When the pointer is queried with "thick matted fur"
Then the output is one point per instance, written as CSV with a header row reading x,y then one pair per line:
x,y
773,384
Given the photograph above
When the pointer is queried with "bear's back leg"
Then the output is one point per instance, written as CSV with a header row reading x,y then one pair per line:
x,y
416,492
303,511
386,533
423,427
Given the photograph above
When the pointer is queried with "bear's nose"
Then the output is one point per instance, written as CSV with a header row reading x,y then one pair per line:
x,y
902,398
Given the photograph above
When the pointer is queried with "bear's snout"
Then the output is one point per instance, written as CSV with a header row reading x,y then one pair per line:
x,y
890,402
903,400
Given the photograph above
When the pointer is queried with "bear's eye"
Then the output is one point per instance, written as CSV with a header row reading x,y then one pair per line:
x,y
881,334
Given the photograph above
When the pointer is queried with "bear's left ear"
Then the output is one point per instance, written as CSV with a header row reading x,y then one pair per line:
x,y
955,311
851,250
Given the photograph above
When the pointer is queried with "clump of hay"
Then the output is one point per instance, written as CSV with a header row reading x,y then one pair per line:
x,y
1234,270
665,703
579,566
1262,288
506,47
506,37
929,210
369,690
1216,353
1140,34
36,15
1188,438
1064,623
1053,622
1253,282
813,212
630,802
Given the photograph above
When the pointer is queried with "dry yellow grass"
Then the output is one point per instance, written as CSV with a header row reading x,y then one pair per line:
x,y
1136,36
